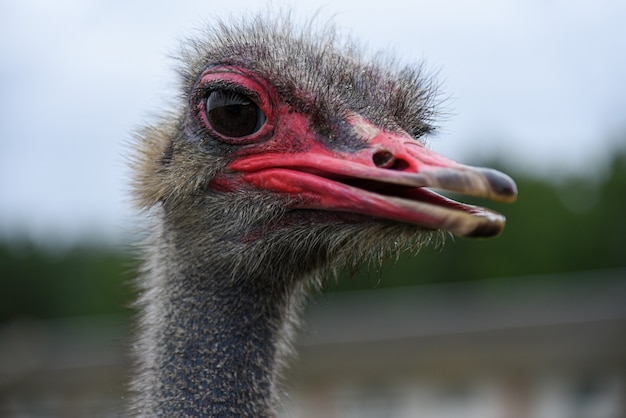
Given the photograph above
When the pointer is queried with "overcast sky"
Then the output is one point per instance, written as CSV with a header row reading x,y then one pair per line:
x,y
541,83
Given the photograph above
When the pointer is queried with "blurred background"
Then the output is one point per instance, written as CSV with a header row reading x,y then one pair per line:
x,y
531,324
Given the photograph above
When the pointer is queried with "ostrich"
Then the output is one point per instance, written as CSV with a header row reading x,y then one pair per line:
x,y
291,156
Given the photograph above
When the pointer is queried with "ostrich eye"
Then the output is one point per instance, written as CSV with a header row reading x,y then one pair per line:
x,y
232,114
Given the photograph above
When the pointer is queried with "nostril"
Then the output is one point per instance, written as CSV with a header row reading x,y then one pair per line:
x,y
385,159
399,165
382,159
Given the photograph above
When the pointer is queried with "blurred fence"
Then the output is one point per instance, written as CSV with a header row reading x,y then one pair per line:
x,y
540,346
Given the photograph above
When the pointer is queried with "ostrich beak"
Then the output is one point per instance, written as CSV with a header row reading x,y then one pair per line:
x,y
390,178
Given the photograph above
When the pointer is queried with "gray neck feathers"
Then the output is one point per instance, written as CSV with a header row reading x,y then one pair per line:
x,y
212,343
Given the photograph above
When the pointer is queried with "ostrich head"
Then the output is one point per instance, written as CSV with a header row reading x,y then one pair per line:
x,y
293,138
290,154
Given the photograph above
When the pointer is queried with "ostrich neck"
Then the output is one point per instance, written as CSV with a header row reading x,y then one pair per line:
x,y
213,345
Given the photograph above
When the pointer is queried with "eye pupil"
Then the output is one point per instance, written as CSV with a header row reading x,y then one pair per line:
x,y
232,114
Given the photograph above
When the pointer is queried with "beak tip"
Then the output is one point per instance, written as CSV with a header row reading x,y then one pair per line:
x,y
487,229
502,186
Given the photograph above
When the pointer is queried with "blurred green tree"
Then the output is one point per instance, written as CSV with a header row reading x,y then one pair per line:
x,y
88,280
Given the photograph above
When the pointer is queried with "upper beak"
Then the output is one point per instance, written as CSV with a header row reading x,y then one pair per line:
x,y
390,178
